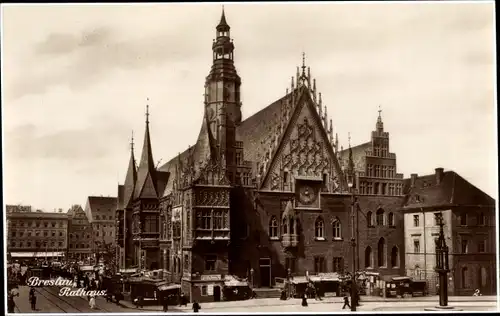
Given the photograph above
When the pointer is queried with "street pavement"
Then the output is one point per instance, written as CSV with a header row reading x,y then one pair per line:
x,y
49,301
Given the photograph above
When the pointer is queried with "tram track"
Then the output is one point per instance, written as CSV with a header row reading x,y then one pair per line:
x,y
72,303
56,304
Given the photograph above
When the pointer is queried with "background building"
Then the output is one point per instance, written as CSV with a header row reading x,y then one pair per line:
x,y
79,234
469,217
36,234
101,211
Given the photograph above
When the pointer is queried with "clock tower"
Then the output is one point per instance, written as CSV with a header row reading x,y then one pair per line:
x,y
222,95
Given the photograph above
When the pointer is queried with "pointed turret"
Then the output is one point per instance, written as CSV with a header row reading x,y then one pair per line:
x,y
380,125
223,26
130,178
350,165
146,174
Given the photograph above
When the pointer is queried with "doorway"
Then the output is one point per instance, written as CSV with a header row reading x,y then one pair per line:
x,y
216,293
265,272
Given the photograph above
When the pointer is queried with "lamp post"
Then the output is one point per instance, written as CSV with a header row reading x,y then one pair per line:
x,y
442,266
350,183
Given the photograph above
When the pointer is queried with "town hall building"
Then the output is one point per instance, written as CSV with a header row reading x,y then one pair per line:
x,y
265,198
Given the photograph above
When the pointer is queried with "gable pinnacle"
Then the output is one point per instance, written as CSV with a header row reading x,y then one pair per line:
x,y
147,111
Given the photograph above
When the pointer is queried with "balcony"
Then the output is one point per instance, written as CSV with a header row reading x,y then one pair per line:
x,y
290,240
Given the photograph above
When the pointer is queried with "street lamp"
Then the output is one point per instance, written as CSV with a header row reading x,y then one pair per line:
x,y
442,266
350,183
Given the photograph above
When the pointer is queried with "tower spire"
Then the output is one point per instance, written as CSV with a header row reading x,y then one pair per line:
x,y
146,173
131,176
380,124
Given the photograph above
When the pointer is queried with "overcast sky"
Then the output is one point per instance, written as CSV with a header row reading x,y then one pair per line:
x,y
75,81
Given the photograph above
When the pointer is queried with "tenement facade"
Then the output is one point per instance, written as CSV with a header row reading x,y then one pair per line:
x,y
469,217
80,235
36,234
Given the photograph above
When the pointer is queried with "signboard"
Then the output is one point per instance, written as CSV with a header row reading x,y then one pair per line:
x,y
210,289
211,277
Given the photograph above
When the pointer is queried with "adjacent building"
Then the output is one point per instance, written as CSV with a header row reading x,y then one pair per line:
x,y
469,217
80,235
36,234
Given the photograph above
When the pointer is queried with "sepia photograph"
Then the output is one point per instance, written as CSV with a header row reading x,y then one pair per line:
x,y
250,157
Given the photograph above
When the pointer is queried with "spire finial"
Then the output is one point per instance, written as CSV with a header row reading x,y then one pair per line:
x,y
304,64
379,110
147,111
132,141
349,138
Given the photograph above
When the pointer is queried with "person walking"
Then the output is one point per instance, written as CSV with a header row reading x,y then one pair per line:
x,y
33,300
304,300
346,301
11,304
92,302
165,302
196,307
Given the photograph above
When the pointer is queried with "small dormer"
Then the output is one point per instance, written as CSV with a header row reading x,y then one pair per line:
x,y
289,222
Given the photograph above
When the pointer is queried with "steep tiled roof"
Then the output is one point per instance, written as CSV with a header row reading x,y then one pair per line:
x,y
452,190
358,155
146,174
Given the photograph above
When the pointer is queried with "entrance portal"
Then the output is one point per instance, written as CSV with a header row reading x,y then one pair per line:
x,y
216,293
265,272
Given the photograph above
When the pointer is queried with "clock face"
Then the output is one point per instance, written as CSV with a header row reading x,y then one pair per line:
x,y
307,195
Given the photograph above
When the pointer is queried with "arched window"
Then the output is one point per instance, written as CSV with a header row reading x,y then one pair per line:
x,y
368,257
285,226
465,281
369,219
381,252
273,227
319,228
380,217
395,257
390,219
337,228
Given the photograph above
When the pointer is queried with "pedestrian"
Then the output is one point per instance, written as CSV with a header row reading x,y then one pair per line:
x,y
165,303
11,304
196,307
92,302
346,301
33,301
304,300
139,302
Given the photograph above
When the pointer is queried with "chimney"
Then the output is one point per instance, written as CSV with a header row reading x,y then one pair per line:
x,y
439,175
413,179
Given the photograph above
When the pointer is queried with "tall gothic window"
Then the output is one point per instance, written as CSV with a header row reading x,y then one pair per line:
x,y
465,278
368,257
380,217
319,228
369,219
337,228
394,257
381,252
273,227
390,219
285,225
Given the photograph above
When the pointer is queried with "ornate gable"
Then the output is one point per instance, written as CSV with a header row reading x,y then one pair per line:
x,y
303,152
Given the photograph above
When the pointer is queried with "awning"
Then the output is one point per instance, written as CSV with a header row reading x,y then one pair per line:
x,y
230,280
166,287
401,278
314,278
329,277
36,254
299,280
